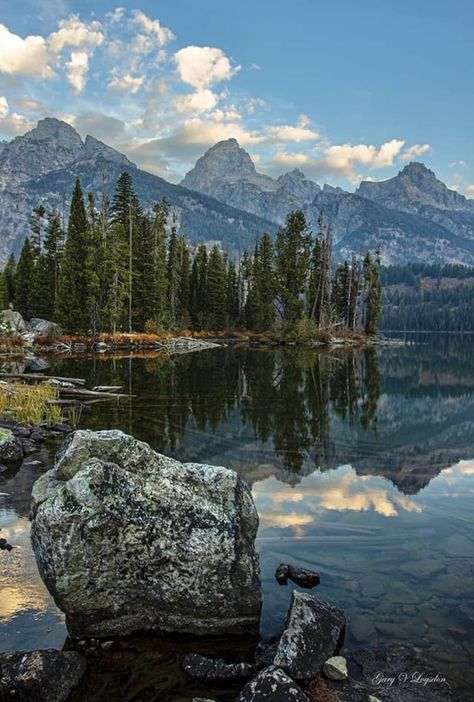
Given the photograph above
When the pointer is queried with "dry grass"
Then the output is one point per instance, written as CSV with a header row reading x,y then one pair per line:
x,y
319,691
29,404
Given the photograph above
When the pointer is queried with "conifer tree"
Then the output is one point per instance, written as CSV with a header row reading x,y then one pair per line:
x,y
160,307
36,237
291,261
2,290
184,276
373,295
232,297
73,310
9,273
46,279
216,290
198,293
23,278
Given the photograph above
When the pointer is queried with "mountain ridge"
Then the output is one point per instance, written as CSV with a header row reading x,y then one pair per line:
x,y
412,216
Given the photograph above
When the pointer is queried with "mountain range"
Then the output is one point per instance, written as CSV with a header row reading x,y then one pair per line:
x,y
411,217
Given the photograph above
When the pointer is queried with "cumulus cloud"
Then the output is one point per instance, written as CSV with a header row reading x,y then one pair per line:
x,y
470,190
99,125
116,15
29,56
74,32
203,66
13,124
198,102
414,152
126,83
289,160
4,109
152,27
343,158
76,70
296,134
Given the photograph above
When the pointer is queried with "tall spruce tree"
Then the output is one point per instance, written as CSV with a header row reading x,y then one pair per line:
x,y
292,252
9,273
73,308
216,290
23,278
373,295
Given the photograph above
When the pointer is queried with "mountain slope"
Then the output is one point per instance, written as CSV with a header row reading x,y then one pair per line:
x,y
412,217
41,167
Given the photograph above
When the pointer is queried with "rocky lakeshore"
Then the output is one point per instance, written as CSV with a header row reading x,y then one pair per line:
x,y
127,540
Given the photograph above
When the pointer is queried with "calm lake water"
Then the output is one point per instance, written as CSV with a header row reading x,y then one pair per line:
x,y
361,466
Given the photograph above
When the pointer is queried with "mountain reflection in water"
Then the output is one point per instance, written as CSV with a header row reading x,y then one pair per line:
x,y
361,466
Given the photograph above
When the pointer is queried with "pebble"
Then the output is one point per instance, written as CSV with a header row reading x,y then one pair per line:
x,y
335,668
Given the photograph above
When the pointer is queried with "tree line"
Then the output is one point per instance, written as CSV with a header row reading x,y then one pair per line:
x,y
118,267
422,297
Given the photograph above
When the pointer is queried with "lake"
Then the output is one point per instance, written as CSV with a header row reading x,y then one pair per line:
x,y
361,465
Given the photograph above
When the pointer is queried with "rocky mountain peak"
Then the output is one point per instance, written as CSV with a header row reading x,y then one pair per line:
x,y
418,172
296,183
97,149
226,160
55,129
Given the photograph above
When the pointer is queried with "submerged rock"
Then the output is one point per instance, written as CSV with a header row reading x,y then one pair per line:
x,y
215,669
39,676
395,674
300,576
127,539
272,685
311,635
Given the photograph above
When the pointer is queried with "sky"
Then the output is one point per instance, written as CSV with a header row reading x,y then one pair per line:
x,y
343,90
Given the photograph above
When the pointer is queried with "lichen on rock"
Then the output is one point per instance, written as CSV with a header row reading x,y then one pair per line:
x,y
127,539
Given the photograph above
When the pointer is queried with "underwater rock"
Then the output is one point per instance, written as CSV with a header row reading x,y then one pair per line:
x,y
39,676
300,576
215,669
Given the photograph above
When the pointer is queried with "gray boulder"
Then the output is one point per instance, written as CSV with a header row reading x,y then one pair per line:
x,y
43,327
39,676
207,669
11,450
311,635
12,321
272,685
127,539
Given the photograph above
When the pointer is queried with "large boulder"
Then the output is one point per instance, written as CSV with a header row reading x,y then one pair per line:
x,y
43,327
127,539
312,632
39,676
12,322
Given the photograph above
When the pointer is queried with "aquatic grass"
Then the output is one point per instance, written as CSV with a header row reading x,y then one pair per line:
x,y
29,404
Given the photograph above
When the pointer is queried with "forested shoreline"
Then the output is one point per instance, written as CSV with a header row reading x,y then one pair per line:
x,y
428,298
118,268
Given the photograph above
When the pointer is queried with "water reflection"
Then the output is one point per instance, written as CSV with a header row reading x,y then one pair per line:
x,y
361,465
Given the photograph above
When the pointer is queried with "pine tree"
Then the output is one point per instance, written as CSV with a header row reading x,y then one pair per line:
x,y
173,276
216,290
340,294
73,309
232,297
373,295
291,261
36,237
183,317
2,290
198,292
24,276
9,273
46,279
160,305
266,283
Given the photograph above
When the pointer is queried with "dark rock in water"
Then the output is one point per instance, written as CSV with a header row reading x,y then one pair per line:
x,y
39,676
62,428
215,669
265,652
300,576
38,435
5,546
23,432
11,450
312,633
28,446
272,685
127,540
395,674
36,365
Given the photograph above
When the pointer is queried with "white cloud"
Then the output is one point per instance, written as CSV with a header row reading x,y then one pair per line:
x,y
202,66
126,83
116,15
288,160
162,35
74,32
13,124
470,190
76,70
206,133
414,152
29,56
296,134
343,158
4,109
198,102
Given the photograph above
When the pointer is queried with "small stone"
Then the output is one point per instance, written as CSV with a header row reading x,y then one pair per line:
x,y
372,698
300,576
272,685
335,668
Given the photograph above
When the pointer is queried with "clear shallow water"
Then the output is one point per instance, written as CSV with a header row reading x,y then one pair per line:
x,y
361,466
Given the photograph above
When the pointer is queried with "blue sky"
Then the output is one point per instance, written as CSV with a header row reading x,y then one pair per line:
x,y
344,90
